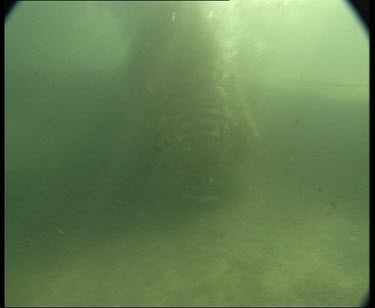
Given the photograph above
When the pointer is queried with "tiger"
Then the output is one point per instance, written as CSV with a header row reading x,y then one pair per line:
x,y
193,113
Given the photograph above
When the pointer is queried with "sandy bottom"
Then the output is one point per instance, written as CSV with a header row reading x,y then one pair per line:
x,y
286,245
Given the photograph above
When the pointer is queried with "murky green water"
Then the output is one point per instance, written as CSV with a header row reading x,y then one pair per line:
x,y
186,154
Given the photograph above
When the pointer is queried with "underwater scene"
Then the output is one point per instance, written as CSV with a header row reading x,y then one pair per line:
x,y
186,153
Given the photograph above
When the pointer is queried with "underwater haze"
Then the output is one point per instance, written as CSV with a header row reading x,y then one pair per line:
x,y
186,154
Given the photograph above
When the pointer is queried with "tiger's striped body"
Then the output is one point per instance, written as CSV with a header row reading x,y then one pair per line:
x,y
195,134
194,118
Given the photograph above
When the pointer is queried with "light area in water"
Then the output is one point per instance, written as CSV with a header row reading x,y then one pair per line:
x,y
250,252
